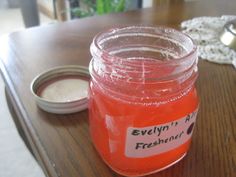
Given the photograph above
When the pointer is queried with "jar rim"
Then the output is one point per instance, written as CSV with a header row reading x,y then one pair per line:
x,y
103,52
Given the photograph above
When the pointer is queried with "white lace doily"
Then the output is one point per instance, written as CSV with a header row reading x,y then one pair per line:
x,y
205,31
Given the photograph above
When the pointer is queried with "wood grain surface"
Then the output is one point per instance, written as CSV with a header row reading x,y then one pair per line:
x,y
62,144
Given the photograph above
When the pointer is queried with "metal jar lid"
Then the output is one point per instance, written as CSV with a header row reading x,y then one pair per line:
x,y
228,36
62,90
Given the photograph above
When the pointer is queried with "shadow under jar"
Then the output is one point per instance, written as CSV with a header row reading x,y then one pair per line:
x,y
142,98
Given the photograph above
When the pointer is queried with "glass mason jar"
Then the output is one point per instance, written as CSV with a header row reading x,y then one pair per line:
x,y
142,99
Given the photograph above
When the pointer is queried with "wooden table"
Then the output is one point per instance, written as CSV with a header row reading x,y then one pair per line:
x,y
62,144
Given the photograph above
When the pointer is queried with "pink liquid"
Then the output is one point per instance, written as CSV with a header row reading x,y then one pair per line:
x,y
110,142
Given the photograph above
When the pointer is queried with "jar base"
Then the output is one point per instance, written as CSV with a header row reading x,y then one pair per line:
x,y
144,174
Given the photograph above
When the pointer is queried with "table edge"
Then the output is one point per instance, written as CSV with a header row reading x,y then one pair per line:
x,y
27,127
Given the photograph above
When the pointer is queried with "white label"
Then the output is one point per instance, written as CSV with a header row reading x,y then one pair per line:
x,y
153,140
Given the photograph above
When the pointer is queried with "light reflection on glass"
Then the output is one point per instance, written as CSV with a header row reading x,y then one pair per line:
x,y
4,49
